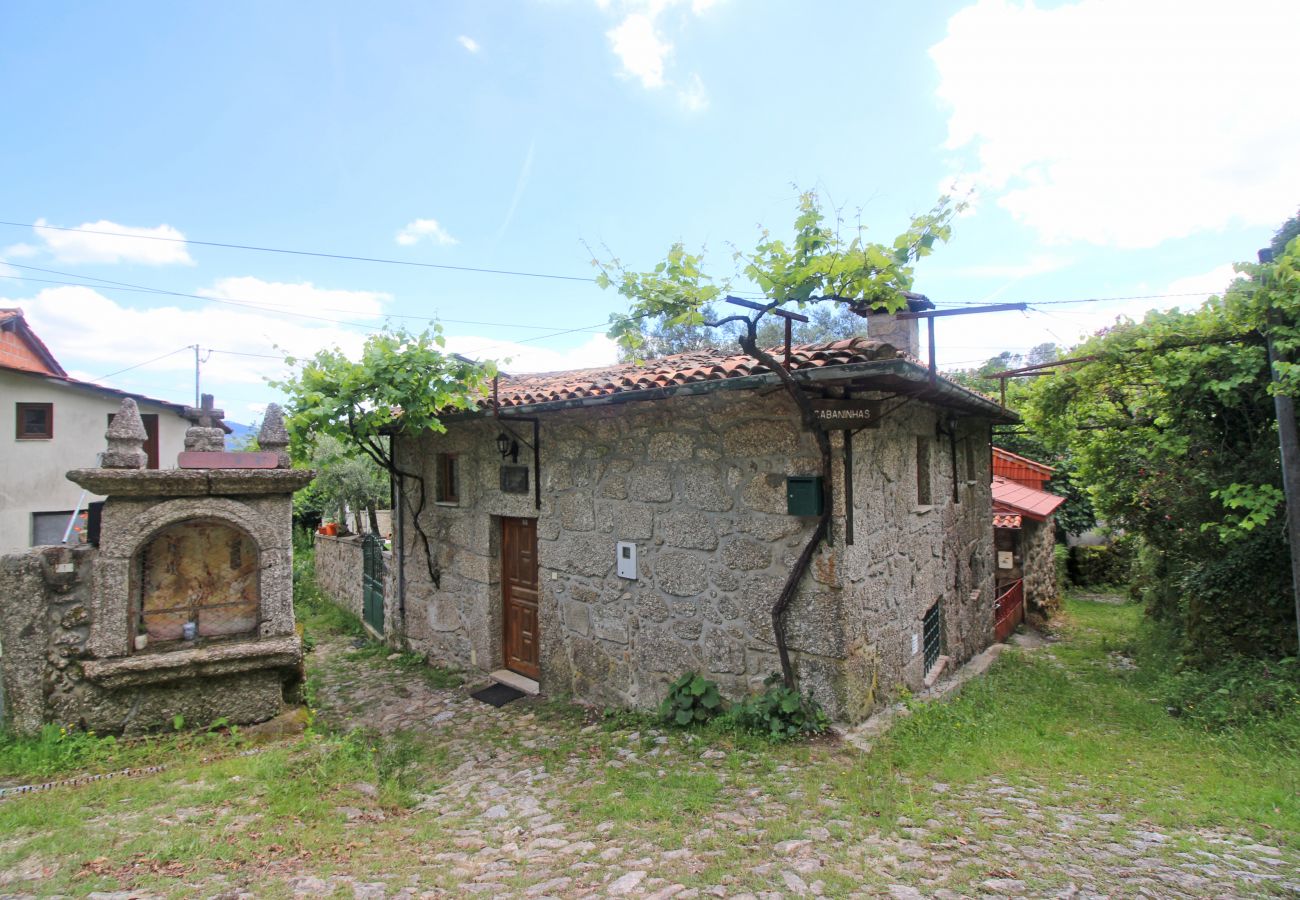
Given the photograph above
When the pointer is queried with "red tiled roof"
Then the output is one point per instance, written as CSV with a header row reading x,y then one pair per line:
x,y
1006,520
1035,504
20,348
681,368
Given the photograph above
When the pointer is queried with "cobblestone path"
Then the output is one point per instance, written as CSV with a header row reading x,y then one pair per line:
x,y
533,801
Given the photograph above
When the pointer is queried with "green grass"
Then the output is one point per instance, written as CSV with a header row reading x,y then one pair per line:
x,y
1094,736
58,750
1088,723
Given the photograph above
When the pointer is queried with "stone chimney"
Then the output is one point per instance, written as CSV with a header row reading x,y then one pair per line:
x,y
903,334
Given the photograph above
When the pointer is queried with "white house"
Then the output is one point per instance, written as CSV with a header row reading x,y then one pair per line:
x,y
50,423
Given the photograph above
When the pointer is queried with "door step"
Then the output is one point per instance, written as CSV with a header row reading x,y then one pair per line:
x,y
516,681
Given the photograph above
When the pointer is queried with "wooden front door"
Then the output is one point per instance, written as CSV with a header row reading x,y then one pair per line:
x,y
519,595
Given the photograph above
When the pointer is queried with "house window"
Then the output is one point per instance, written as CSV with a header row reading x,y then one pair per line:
x,y
48,528
923,471
150,421
932,635
35,421
448,478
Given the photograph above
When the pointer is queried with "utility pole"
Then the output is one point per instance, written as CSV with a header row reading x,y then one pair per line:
x,y
196,376
1289,442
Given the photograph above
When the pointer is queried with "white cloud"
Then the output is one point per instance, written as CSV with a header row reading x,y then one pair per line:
x,y
643,51
20,251
640,49
1036,265
598,350
1200,287
93,335
694,97
422,228
303,297
109,242
1126,122
468,43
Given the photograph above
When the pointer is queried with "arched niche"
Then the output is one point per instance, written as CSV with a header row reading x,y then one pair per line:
x,y
204,571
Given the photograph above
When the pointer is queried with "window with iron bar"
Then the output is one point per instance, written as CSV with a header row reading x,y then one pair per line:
x,y
932,634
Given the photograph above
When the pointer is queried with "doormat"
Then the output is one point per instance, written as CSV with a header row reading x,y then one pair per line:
x,y
498,694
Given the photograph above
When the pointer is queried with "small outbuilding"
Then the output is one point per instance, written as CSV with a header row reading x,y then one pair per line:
x,y
599,532
1024,539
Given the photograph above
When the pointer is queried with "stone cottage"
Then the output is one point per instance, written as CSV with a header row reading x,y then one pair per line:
x,y
1024,538
599,532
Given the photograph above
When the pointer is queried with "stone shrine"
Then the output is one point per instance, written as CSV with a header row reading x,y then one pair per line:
x,y
185,607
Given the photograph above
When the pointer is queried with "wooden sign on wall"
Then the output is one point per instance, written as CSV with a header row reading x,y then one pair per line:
x,y
847,415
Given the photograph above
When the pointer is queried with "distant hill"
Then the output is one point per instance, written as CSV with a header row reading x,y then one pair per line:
x,y
239,435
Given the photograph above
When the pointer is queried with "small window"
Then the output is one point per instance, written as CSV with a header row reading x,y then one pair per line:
x,y
448,478
48,528
923,471
35,421
932,634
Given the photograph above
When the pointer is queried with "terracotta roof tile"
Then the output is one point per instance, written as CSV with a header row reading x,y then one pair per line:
x,y
682,368
1006,520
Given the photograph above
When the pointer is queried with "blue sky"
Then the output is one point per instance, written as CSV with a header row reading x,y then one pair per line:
x,y
1115,148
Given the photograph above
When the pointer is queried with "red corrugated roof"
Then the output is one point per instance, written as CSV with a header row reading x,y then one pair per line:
x,y
1019,468
1031,502
682,368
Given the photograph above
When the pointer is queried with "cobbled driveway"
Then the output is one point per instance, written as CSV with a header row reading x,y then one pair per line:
x,y
533,802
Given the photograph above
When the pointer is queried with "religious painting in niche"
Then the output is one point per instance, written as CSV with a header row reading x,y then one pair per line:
x,y
203,572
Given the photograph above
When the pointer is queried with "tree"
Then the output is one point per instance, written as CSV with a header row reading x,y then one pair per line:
x,y
1171,424
824,263
347,479
402,385
659,337
1076,515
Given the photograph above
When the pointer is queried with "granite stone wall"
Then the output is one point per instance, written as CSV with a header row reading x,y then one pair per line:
x,y
51,674
1038,540
338,570
909,556
698,483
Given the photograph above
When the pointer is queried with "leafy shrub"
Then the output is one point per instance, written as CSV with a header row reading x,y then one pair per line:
x,y
691,699
1244,692
1061,557
779,713
1110,564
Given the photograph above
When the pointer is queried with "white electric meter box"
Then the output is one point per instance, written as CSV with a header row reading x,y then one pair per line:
x,y
626,563
1005,559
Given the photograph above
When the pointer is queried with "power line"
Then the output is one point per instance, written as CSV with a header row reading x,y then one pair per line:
x,y
507,272
274,307
314,253
280,309
145,363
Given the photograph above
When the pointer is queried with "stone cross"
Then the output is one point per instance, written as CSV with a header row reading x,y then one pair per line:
x,y
208,433
126,437
206,416
273,438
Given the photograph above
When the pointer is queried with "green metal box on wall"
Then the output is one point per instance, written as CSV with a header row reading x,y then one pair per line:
x,y
803,495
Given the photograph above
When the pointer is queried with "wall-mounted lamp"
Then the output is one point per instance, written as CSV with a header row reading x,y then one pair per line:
x,y
508,446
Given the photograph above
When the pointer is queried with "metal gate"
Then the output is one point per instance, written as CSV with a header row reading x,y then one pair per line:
x,y
372,582
1009,609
